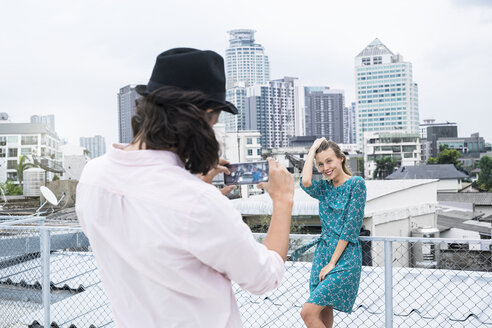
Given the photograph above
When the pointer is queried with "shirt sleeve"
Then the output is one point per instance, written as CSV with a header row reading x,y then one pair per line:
x,y
316,189
219,238
355,212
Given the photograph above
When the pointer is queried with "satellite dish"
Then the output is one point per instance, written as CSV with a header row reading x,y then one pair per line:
x,y
49,195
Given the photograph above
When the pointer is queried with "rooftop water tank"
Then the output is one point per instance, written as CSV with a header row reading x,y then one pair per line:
x,y
425,254
33,179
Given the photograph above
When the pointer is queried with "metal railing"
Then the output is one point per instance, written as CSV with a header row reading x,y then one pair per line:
x,y
48,277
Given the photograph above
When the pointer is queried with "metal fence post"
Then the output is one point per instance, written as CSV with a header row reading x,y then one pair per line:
x,y
45,267
388,283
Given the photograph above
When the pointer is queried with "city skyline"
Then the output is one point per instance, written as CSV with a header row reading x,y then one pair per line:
x,y
76,73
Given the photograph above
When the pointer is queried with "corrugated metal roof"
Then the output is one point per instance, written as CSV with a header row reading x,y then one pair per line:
x,y
375,48
434,171
421,297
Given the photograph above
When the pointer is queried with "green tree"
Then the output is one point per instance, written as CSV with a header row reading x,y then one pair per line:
x,y
449,156
24,164
432,160
10,188
485,178
55,178
384,167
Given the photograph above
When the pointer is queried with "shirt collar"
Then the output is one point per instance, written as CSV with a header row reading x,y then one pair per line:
x,y
143,157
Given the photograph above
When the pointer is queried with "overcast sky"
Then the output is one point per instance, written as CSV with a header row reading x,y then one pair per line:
x,y
69,58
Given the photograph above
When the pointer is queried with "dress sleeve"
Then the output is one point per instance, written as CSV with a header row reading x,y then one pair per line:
x,y
219,238
355,212
316,189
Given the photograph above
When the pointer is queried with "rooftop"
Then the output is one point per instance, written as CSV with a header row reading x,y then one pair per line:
x,y
434,171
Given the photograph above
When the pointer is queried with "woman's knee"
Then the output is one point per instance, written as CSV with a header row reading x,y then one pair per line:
x,y
309,312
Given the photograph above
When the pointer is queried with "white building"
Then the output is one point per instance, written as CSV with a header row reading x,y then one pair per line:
x,y
402,147
387,97
74,159
95,145
246,65
240,147
31,139
277,110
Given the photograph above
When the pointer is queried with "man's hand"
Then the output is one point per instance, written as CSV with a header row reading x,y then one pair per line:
x,y
280,185
220,168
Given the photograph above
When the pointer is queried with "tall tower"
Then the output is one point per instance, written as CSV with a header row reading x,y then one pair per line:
x,y
246,65
48,120
95,145
325,113
276,109
387,97
126,109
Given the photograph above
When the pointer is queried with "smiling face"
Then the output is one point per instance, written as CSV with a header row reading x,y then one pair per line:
x,y
329,164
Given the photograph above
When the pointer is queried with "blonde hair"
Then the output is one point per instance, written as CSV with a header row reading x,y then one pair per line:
x,y
327,144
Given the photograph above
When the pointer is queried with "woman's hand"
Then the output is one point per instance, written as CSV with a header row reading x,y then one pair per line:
x,y
327,269
316,144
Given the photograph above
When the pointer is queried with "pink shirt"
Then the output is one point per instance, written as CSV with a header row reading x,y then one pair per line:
x,y
167,244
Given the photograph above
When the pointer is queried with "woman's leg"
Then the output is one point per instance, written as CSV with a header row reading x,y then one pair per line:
x,y
327,316
311,314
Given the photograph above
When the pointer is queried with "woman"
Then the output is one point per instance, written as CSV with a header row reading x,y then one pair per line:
x,y
167,244
337,263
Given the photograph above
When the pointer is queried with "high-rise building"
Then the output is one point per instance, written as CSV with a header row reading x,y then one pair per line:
x,y
246,65
325,113
126,109
431,132
95,145
276,110
387,97
48,120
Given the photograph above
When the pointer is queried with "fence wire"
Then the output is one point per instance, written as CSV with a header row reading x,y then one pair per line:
x,y
435,283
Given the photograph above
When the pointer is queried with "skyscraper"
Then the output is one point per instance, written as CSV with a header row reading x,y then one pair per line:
x,y
126,109
246,65
276,109
387,97
48,120
325,113
95,145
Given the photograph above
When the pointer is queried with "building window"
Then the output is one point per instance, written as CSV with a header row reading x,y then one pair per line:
x,y
377,60
258,140
29,140
366,61
2,152
258,152
12,164
3,141
26,151
12,176
250,152
12,152
13,140
249,141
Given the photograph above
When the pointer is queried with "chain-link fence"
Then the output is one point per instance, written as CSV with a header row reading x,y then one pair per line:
x,y
48,277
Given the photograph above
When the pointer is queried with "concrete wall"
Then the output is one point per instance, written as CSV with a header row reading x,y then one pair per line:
x,y
63,186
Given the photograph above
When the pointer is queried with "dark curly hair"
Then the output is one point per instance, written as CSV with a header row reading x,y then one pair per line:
x,y
176,120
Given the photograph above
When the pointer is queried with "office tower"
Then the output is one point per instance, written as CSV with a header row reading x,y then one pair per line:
x,y
126,109
48,120
246,65
387,97
276,109
95,145
325,113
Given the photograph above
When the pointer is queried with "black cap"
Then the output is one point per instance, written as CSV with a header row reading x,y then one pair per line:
x,y
190,69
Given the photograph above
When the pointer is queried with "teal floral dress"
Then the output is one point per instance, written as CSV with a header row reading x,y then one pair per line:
x,y
341,210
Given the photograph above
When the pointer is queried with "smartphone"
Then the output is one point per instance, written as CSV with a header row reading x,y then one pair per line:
x,y
246,173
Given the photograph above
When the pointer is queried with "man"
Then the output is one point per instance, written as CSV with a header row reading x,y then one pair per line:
x,y
167,243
